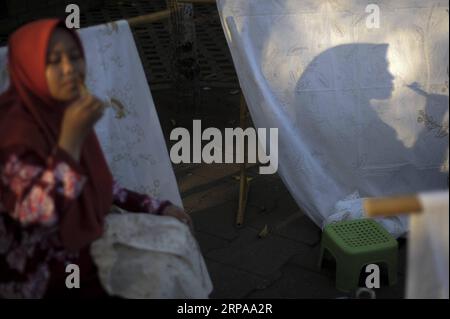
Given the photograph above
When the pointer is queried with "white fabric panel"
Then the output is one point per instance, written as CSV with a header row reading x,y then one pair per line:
x,y
361,112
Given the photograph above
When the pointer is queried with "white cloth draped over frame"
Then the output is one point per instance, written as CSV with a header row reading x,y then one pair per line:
x,y
361,111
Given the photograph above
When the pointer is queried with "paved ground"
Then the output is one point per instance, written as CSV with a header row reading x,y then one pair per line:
x,y
242,265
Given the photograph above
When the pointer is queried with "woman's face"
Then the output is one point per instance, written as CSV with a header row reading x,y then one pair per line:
x,y
65,67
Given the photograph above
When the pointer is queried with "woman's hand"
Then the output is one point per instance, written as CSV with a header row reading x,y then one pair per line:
x,y
79,119
179,214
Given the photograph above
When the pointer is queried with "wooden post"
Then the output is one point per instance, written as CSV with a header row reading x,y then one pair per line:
x,y
149,18
243,182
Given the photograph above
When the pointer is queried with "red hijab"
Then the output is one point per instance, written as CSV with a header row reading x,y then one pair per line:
x,y
30,117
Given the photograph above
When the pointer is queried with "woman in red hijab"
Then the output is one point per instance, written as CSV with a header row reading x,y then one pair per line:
x,y
55,185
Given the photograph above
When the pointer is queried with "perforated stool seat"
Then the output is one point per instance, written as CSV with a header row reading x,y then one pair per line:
x,y
355,244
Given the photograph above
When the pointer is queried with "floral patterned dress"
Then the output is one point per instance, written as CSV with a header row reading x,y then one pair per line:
x,y
34,194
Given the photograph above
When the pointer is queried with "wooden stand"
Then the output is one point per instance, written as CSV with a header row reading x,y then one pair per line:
x,y
374,207
244,181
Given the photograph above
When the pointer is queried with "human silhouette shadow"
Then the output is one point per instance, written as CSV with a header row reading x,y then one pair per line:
x,y
342,98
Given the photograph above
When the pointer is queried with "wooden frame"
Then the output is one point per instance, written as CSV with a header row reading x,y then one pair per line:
x,y
374,207
392,206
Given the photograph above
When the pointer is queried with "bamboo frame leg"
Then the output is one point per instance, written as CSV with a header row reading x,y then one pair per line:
x,y
243,182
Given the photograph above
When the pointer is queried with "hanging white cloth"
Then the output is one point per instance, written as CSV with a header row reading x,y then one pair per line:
x,y
428,249
361,109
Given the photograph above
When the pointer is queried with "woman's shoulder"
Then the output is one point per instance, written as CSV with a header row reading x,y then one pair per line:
x,y
19,131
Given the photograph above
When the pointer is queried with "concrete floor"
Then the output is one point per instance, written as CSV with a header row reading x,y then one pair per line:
x,y
282,264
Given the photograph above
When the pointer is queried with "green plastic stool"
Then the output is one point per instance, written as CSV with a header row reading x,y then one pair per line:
x,y
357,243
